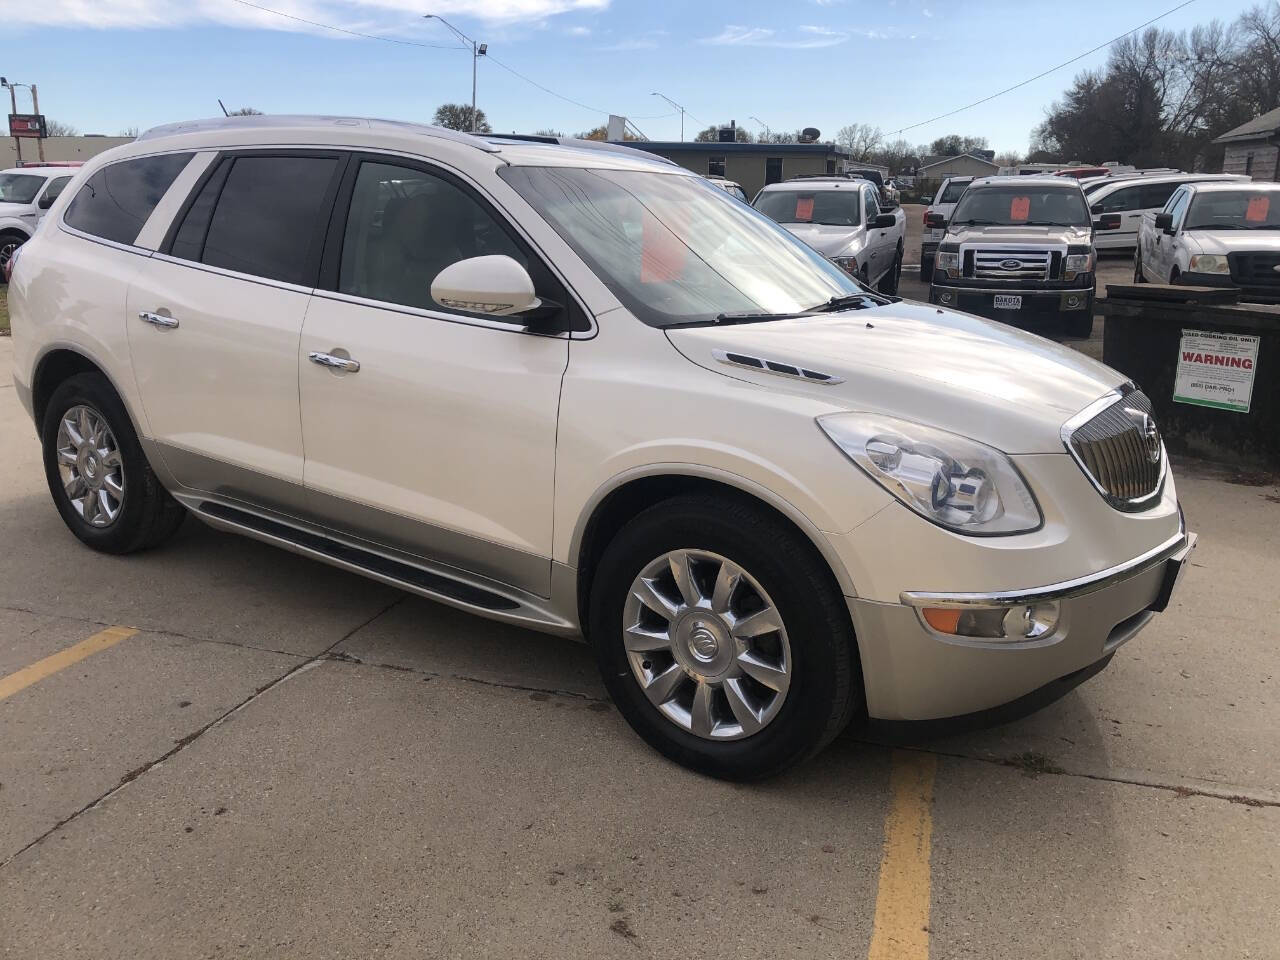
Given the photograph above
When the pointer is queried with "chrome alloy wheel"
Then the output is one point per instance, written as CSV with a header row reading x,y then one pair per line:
x,y
90,466
706,645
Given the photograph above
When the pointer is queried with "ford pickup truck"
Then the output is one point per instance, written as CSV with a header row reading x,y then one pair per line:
x,y
844,221
1216,235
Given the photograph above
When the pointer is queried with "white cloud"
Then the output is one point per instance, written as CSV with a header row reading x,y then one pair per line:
x,y
579,31
740,36
927,12
399,16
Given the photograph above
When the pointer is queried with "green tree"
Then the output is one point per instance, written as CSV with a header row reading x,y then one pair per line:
x,y
712,135
457,116
245,112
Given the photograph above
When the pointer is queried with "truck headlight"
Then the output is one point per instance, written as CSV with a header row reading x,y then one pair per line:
x,y
1076,264
1209,263
948,263
848,264
948,479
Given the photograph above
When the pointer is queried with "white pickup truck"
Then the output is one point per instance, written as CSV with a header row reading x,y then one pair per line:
x,y
1214,235
842,219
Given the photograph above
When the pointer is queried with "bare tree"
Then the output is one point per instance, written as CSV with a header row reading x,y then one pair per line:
x,y
245,112
712,135
56,128
860,139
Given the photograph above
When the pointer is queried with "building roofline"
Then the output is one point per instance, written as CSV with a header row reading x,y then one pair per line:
x,y
702,146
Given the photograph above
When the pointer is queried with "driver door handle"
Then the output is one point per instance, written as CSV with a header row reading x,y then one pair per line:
x,y
337,363
156,320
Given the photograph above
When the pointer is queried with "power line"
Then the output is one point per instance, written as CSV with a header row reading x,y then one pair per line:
x,y
1039,76
352,33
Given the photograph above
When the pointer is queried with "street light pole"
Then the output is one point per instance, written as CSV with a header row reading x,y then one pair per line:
x,y
13,99
763,124
478,50
677,106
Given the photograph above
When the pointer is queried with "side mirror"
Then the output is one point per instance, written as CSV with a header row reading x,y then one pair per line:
x,y
1164,221
1108,221
46,202
1096,208
882,222
926,200
496,285
935,221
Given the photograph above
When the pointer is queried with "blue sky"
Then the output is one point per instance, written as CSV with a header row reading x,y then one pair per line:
x,y
106,65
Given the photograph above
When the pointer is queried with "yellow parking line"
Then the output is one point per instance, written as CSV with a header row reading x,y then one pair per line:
x,y
902,901
62,659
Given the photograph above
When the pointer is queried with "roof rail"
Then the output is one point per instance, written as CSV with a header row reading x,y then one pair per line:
x,y
580,143
272,121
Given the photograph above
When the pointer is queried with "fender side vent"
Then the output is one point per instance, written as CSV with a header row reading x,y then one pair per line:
x,y
775,366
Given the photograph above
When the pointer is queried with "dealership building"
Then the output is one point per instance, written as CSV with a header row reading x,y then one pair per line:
x,y
750,164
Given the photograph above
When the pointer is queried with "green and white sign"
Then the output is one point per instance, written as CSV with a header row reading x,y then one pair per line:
x,y
1216,370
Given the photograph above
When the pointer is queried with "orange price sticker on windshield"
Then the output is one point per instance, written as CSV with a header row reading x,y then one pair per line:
x,y
1019,208
661,252
804,208
1258,207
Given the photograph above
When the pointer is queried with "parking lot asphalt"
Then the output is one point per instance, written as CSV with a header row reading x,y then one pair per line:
x,y
220,749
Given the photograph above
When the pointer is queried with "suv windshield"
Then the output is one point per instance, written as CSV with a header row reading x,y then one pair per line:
x,y
833,208
953,191
676,249
1023,204
19,187
1234,210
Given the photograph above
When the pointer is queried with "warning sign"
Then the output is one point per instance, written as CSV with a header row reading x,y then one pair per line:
x,y
1216,370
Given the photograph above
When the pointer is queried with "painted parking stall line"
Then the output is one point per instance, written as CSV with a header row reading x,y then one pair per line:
x,y
901,929
21,679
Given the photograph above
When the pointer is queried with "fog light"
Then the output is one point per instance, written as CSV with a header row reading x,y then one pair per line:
x,y
945,298
1023,622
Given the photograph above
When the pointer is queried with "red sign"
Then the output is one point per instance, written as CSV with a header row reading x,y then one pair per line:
x,y
27,125
804,209
661,252
1019,209
1258,207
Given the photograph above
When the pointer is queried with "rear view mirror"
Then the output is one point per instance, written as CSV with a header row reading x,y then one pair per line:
x,y
495,285
1164,221
935,221
1108,221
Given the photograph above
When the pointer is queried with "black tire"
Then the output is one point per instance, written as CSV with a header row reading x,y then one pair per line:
x,y
1174,276
148,515
926,269
889,282
10,241
826,682
1138,276
1080,327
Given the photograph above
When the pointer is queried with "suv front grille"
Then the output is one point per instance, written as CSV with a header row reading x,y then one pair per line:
x,y
1120,450
1009,263
1255,269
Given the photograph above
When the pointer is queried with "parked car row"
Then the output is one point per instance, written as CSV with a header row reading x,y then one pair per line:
x,y
26,194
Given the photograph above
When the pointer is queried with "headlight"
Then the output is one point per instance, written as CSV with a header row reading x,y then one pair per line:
x,y
848,264
1076,264
950,480
1015,624
947,262
1209,263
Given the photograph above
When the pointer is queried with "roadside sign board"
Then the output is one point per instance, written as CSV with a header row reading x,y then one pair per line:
x,y
1216,370
27,125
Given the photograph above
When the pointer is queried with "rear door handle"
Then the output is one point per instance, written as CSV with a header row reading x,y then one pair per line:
x,y
156,320
337,363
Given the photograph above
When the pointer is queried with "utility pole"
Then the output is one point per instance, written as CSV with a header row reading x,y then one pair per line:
x,y
677,106
35,108
13,100
763,124
478,50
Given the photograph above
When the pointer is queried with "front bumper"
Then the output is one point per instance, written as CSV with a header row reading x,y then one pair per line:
x,y
1037,304
912,672
1252,294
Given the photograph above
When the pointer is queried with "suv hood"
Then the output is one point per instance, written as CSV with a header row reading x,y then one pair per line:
x,y
971,376
1019,234
830,241
1235,241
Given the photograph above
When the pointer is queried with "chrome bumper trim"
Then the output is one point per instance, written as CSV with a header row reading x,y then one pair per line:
x,y
1176,548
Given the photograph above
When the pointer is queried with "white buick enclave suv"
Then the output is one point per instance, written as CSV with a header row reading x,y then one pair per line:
x,y
579,389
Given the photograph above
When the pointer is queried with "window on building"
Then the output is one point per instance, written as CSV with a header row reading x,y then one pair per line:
x,y
773,170
715,167
1248,164
117,200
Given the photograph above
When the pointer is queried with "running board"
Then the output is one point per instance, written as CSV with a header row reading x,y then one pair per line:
x,y
433,584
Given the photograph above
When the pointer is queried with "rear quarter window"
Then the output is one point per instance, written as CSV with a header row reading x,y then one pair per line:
x,y
116,201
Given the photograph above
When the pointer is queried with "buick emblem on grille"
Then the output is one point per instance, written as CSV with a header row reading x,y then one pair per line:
x,y
1010,264
1150,436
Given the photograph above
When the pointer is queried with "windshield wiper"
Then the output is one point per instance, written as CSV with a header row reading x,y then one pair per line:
x,y
727,318
859,301
976,223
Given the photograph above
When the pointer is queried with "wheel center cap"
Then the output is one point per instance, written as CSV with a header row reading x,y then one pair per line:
x,y
703,644
91,465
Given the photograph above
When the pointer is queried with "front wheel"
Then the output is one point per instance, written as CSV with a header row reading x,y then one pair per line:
x,y
926,269
889,282
723,638
9,244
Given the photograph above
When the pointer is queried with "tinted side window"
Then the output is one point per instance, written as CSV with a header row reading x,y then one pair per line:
x,y
872,204
1118,201
405,226
115,202
55,188
188,242
268,217
1156,195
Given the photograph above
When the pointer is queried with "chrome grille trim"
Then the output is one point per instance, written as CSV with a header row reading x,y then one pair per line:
x,y
985,261
1109,445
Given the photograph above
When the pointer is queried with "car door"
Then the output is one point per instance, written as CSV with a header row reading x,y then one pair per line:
x,y
214,320
879,250
1127,203
1158,262
441,443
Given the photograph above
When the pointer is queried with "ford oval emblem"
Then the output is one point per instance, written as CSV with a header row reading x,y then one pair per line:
x,y
1010,264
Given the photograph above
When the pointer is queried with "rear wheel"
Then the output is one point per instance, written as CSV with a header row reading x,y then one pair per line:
x,y
723,638
10,241
98,475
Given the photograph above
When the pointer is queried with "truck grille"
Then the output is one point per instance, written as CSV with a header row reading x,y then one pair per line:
x,y
1009,263
1120,450
1255,269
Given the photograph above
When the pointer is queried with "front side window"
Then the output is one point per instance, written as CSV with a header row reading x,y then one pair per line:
x,y
1234,210
260,215
1177,206
405,226
952,191
675,249
1022,205
833,208
19,187
115,202
872,204
55,188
